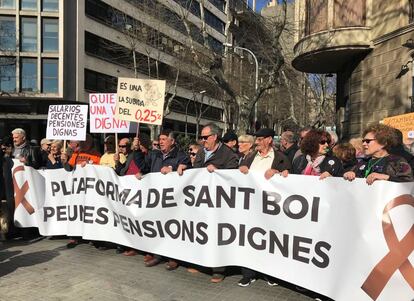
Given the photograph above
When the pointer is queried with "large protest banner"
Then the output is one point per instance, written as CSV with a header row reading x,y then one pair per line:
x,y
348,241
67,122
102,108
140,100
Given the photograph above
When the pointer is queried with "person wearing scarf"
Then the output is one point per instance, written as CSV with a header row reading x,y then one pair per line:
x,y
316,159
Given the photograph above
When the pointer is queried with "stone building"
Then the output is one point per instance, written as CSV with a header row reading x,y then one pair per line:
x,y
369,45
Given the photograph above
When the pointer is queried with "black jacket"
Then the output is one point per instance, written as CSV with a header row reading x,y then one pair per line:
x,y
222,158
280,162
154,161
32,155
330,164
291,151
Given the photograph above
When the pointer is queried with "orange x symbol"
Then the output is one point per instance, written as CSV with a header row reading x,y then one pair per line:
x,y
20,192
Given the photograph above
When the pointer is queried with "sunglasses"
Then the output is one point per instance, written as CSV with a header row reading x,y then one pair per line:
x,y
322,142
192,154
122,146
205,137
367,141
155,144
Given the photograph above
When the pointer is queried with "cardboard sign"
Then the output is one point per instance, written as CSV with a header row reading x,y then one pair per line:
x,y
102,108
405,123
140,100
67,122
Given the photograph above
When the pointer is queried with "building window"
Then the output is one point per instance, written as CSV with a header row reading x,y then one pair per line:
x,y
349,13
99,82
28,75
50,5
7,3
7,33
316,16
28,4
220,4
50,35
7,74
50,76
29,34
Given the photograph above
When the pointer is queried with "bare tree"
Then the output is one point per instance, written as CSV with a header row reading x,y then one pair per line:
x,y
260,35
321,97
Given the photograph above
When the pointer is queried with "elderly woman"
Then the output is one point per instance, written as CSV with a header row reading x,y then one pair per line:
x,y
53,159
377,142
193,149
315,159
246,143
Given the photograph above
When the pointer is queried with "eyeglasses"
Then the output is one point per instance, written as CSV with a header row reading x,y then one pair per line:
x,y
205,137
192,154
155,144
322,142
122,146
367,141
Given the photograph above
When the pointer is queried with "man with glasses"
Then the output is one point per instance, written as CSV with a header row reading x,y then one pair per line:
x,y
215,155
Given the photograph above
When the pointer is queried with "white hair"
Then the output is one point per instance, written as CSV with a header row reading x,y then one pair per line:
x,y
19,131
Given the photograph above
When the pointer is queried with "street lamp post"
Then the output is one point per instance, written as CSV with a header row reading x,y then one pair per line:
x,y
256,85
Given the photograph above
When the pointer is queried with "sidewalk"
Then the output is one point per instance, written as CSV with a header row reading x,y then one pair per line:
x,y
47,270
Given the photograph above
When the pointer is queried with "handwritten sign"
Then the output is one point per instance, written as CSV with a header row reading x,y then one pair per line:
x,y
140,100
102,108
67,122
405,123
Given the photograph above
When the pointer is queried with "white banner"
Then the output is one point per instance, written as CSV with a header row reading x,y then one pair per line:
x,y
102,114
140,100
345,240
67,122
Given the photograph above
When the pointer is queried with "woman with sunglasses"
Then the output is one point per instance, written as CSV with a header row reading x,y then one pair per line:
x,y
193,149
316,159
377,143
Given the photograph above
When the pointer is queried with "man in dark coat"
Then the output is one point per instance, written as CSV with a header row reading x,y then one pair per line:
x,y
289,144
215,155
166,159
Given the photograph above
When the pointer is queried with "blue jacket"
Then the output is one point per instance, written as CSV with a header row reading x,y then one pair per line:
x,y
155,160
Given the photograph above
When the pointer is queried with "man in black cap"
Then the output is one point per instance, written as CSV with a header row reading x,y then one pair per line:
x,y
230,139
267,159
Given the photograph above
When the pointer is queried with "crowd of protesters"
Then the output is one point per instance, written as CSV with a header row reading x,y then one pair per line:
x,y
379,155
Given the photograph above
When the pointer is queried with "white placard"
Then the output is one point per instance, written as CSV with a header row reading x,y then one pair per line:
x,y
140,100
102,114
67,122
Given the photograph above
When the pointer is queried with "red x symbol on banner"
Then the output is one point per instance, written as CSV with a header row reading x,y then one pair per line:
x,y
397,257
20,192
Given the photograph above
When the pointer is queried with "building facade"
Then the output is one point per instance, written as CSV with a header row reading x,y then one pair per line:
x,y
59,51
368,44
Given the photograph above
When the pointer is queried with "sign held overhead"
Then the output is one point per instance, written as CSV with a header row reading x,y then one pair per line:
x,y
140,100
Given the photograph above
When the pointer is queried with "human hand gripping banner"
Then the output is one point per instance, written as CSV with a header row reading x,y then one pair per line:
x,y
345,240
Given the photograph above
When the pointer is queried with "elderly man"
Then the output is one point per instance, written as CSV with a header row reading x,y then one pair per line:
x,y
215,155
270,161
289,144
22,150
167,159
